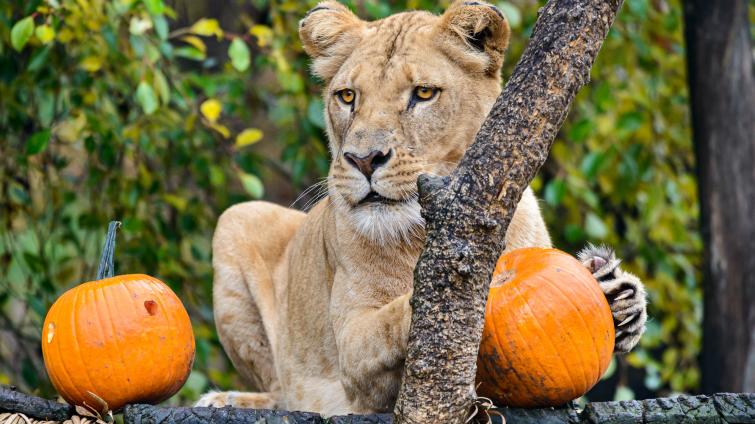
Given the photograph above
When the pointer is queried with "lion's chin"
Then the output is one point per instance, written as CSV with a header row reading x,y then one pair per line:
x,y
388,223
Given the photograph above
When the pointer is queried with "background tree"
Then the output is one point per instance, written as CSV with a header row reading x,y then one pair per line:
x,y
722,89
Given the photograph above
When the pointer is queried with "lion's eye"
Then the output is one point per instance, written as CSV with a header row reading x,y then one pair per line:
x,y
346,95
424,94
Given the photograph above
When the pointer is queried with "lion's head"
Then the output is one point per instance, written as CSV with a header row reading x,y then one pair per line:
x,y
404,95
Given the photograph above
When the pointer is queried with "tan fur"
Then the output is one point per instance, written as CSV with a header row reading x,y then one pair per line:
x,y
314,309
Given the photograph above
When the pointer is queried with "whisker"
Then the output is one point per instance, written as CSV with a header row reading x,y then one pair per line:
x,y
314,186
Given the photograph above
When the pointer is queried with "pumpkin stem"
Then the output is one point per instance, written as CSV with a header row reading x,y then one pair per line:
x,y
106,269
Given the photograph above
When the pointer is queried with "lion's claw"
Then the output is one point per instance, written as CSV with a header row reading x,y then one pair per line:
x,y
624,291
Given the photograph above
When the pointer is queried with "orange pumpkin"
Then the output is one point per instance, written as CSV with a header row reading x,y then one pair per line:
x,y
548,335
124,339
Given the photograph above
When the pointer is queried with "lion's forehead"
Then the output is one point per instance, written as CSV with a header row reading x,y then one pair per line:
x,y
396,37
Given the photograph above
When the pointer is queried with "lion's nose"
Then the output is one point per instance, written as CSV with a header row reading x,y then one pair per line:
x,y
368,164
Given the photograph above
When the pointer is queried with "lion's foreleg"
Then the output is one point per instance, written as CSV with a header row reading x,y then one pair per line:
x,y
371,350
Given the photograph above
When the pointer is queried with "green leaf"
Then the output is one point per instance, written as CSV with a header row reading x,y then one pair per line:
x,y
652,378
162,86
595,227
239,54
623,393
21,33
591,164
315,113
146,98
38,142
161,27
630,121
154,7
189,53
512,13
46,108
581,130
554,192
38,59
610,370
196,384
377,9
252,184
291,81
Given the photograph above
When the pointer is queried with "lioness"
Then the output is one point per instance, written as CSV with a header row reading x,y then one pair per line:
x,y
313,309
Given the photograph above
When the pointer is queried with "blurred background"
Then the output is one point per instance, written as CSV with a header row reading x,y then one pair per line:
x,y
162,113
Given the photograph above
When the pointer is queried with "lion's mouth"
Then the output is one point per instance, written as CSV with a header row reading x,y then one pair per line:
x,y
375,197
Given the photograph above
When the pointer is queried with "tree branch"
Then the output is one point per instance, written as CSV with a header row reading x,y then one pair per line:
x,y
467,214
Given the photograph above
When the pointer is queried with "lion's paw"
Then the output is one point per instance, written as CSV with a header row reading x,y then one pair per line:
x,y
624,291
237,400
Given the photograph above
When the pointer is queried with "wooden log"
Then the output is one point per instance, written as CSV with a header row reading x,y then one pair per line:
x,y
719,408
32,406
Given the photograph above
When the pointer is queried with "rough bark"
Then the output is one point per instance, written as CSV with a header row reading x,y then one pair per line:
x,y
32,406
722,93
467,214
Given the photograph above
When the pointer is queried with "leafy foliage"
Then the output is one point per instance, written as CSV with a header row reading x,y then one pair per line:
x,y
104,120
123,109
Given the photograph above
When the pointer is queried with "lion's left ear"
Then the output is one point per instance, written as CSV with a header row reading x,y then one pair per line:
x,y
475,34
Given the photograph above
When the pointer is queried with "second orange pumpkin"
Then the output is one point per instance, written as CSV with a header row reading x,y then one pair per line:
x,y
548,335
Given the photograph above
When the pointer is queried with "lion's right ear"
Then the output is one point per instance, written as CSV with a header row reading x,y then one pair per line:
x,y
329,33
475,34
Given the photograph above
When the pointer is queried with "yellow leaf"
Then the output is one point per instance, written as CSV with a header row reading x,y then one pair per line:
x,y
211,109
65,35
93,25
280,61
190,122
91,63
176,201
70,130
90,98
247,137
207,27
44,34
222,129
196,42
262,33
131,132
